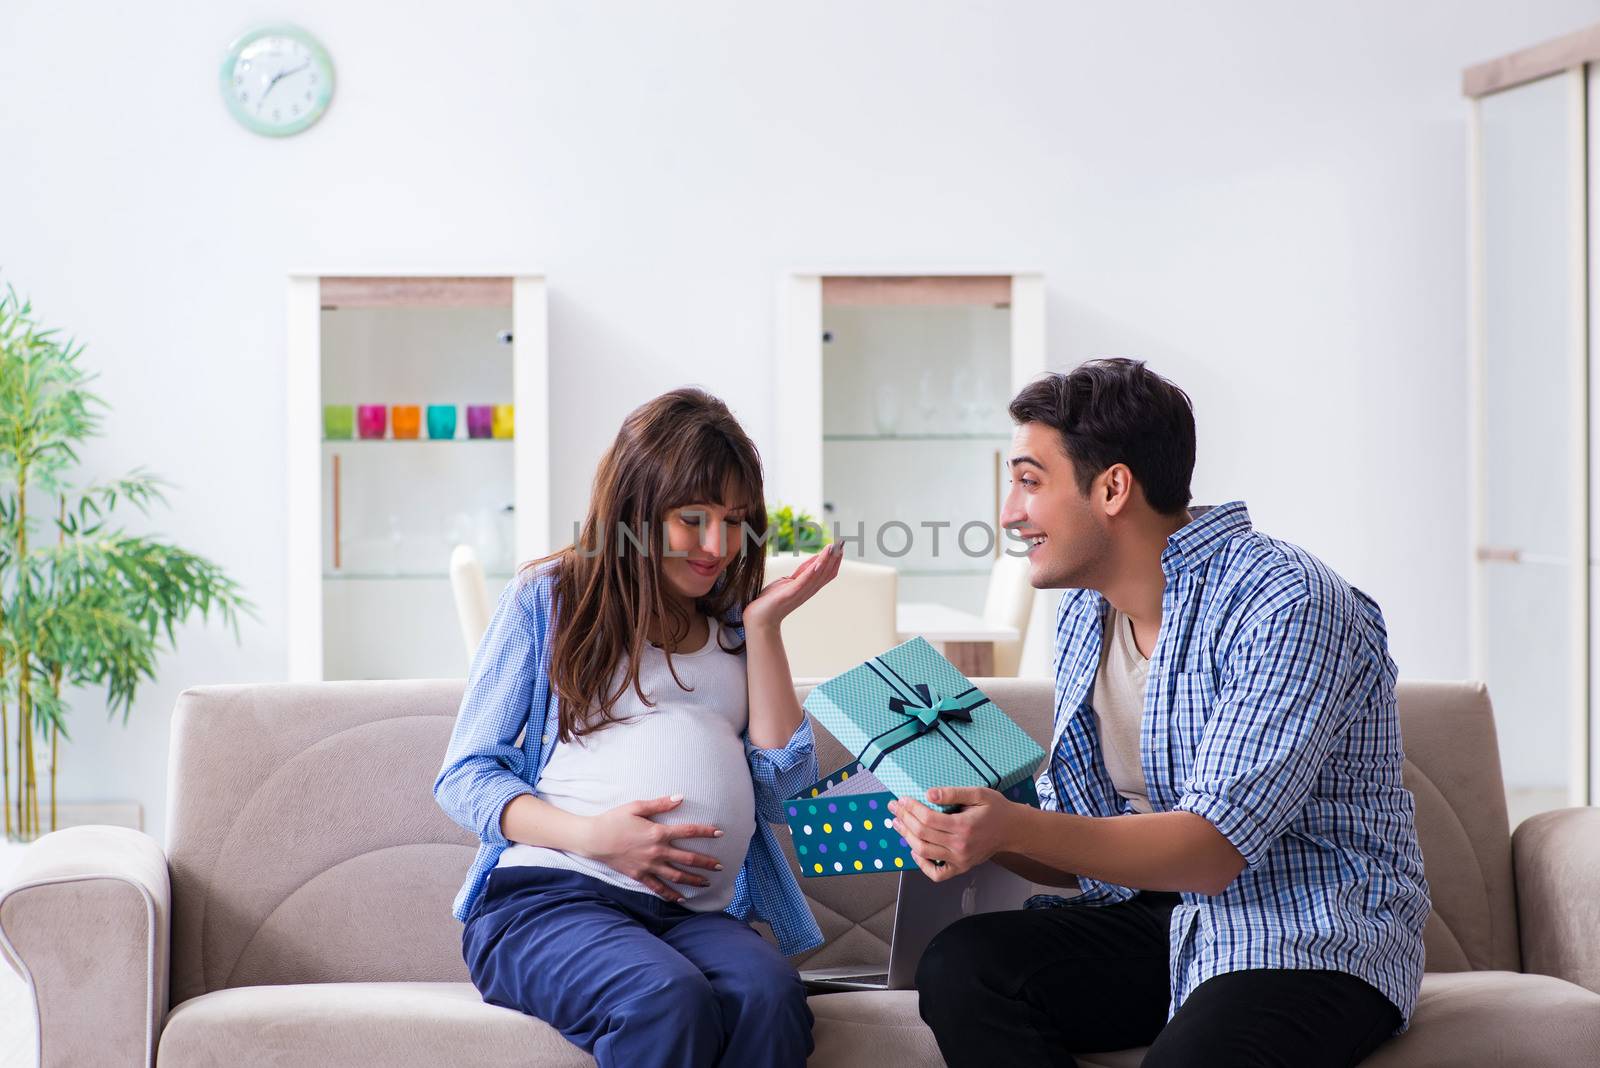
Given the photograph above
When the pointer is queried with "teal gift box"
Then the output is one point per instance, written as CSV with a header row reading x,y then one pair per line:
x,y
914,723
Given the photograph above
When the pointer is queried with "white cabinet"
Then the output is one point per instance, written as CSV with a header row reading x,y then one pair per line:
x,y
892,416
374,514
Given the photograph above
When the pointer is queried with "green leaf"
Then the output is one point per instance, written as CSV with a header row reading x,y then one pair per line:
x,y
82,601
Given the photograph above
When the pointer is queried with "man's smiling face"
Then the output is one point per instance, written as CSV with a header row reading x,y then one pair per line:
x,y
1068,543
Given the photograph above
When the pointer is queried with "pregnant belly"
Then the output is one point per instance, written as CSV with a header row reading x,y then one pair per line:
x,y
712,776
727,807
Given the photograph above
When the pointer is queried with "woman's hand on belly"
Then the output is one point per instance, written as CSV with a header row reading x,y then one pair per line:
x,y
627,840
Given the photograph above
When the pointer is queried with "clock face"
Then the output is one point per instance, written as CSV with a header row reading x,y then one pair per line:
x,y
277,81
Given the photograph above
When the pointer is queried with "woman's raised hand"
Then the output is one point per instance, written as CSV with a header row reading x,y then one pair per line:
x,y
784,595
627,840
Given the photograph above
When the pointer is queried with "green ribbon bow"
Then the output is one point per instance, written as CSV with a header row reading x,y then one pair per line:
x,y
925,714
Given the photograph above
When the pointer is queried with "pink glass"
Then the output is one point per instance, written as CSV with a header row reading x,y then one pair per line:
x,y
480,420
371,419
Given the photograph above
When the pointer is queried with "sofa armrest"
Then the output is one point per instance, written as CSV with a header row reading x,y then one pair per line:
x,y
84,919
1557,860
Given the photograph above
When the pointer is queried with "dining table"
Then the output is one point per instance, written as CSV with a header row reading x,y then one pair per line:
x,y
966,639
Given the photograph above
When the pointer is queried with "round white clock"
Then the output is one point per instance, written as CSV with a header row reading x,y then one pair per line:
x,y
277,80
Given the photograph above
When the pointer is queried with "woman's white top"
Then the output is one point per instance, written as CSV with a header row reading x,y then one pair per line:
x,y
690,743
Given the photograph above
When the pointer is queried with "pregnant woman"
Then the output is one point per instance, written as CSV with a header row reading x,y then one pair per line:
x,y
625,833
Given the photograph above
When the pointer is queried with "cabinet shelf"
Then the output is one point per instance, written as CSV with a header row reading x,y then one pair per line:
x,y
942,572
404,576
417,441
916,437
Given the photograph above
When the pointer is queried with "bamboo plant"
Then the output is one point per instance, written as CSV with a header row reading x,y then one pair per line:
x,y
83,602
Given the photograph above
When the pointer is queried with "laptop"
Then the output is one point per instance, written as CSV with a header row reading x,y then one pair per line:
x,y
922,909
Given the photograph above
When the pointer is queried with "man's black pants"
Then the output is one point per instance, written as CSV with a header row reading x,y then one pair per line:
x,y
1034,986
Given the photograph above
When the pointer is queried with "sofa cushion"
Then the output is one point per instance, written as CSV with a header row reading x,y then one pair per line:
x,y
334,1025
1480,1018
1485,1019
1498,1020
401,1025
871,1029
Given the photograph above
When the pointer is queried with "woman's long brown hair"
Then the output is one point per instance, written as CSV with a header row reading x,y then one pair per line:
x,y
685,447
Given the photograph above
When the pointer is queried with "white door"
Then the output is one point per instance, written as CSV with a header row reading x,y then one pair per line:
x,y
1531,596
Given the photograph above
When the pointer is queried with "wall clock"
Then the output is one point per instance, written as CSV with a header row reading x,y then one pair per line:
x,y
277,80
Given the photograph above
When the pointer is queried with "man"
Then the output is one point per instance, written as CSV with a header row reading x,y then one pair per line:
x,y
1223,785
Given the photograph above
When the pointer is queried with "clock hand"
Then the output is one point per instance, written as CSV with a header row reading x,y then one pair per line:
x,y
275,79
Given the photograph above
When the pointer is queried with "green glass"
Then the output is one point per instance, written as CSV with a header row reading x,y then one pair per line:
x,y
338,421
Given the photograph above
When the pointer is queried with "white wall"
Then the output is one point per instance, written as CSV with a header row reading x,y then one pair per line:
x,y
1266,200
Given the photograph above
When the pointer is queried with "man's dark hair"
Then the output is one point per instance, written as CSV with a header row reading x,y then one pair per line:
x,y
1118,411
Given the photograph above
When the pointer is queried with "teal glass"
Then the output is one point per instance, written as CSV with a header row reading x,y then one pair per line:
x,y
338,421
441,421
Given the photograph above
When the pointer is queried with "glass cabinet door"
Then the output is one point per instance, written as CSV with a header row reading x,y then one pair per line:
x,y
417,458
914,431
1531,557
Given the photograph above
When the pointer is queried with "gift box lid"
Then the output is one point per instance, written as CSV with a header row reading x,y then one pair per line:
x,y
916,722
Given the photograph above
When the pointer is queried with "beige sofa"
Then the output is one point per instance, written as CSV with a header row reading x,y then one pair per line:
x,y
301,912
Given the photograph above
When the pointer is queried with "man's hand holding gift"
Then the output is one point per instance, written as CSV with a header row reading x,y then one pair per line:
x,y
946,844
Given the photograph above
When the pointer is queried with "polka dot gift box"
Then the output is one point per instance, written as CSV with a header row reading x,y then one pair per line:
x,y
914,722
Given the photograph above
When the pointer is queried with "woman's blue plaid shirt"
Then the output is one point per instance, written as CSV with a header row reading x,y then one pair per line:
x,y
1270,711
509,694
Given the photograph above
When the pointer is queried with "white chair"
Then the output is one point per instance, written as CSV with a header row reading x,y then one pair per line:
x,y
849,620
1009,604
472,596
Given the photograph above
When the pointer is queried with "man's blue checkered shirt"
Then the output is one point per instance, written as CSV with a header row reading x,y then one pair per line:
x,y
1270,711
509,694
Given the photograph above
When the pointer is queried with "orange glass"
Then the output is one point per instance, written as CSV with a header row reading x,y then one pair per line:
x,y
407,420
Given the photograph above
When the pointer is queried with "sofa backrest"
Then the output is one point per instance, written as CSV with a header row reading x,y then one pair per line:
x,y
303,840
305,844
1453,770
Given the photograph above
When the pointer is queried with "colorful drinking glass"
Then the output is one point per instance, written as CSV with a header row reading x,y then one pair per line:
x,y
441,421
338,421
407,420
371,420
480,420
503,420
